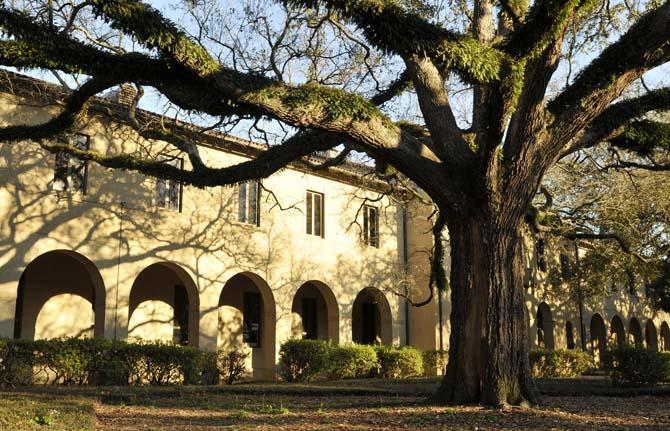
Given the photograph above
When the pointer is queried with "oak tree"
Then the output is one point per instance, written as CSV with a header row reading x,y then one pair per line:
x,y
481,174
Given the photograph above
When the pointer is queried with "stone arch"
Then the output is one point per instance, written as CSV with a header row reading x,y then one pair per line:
x,y
618,332
598,335
59,279
569,335
318,313
371,321
635,332
247,322
545,326
651,335
665,337
164,305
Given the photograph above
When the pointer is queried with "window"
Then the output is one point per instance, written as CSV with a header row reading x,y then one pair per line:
x,y
169,192
314,213
371,226
251,326
539,251
249,202
566,267
70,172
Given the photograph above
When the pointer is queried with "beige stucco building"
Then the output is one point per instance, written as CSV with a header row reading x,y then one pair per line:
x,y
89,251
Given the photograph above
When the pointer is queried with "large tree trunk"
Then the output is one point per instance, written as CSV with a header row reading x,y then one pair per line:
x,y
488,355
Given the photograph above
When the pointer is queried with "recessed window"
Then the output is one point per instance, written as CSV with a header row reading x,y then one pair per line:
x,y
371,226
248,200
169,192
71,173
314,213
539,254
251,326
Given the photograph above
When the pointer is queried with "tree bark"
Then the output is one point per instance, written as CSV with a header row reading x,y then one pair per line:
x,y
488,353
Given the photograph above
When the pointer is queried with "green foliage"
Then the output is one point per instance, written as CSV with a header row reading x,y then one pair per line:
x,y
72,361
399,362
637,366
352,361
231,365
434,362
559,363
303,360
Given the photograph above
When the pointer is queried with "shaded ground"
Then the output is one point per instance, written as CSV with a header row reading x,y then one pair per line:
x,y
349,405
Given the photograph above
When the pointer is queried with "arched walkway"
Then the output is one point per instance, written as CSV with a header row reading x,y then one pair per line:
x,y
618,332
545,326
665,337
247,322
164,305
598,336
569,335
60,294
650,335
635,332
371,318
318,313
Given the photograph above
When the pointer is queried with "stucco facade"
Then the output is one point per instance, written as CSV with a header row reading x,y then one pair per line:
x,y
114,261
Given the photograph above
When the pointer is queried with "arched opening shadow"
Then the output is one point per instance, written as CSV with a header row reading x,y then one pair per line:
x,y
164,305
651,335
59,277
371,318
318,314
635,332
247,321
545,327
618,332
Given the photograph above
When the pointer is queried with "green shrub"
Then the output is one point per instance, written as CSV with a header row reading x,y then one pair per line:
x,y
399,362
559,363
16,363
637,366
351,361
434,362
303,360
231,365
73,361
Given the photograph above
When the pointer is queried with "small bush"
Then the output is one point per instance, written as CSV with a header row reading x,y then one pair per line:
x,y
231,365
399,362
637,366
303,360
434,362
352,361
559,363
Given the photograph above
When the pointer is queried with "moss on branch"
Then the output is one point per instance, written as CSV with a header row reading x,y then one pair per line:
x,y
150,28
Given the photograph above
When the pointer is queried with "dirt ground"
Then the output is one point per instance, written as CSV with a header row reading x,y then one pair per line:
x,y
362,405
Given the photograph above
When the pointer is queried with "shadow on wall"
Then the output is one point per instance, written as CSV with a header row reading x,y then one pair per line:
x,y
161,299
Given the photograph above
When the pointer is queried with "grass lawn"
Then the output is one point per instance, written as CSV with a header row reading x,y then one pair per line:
x,y
347,405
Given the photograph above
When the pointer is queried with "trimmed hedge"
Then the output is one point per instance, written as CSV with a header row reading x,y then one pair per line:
x,y
353,361
303,360
72,361
399,362
434,362
559,363
306,360
637,366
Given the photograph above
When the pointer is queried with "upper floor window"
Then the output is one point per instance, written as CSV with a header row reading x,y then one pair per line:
x,y
169,192
314,213
71,173
248,202
371,225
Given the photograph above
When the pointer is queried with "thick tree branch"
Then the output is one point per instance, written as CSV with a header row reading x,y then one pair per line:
x,y
644,46
616,119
